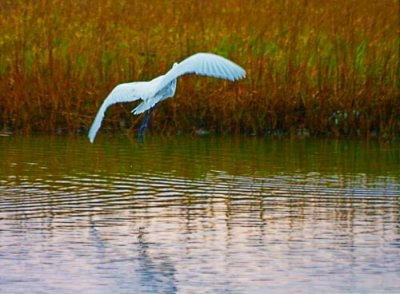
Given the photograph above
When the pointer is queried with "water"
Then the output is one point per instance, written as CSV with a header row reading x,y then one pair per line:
x,y
198,215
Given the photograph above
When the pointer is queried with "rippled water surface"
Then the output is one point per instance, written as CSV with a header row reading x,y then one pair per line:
x,y
198,215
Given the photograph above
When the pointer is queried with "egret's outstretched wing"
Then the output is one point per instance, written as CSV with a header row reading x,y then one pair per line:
x,y
122,93
205,64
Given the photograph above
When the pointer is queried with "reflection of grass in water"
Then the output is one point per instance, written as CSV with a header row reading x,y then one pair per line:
x,y
194,158
305,61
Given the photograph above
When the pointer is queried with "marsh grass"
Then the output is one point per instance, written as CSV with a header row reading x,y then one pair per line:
x,y
328,67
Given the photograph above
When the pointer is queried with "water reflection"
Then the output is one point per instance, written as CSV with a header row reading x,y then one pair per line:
x,y
198,215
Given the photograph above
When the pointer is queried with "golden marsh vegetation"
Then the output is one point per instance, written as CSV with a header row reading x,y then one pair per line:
x,y
323,67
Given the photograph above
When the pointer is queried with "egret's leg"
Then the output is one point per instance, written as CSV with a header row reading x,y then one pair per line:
x,y
145,123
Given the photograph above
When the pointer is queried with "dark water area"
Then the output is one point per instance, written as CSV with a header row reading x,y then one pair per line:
x,y
198,215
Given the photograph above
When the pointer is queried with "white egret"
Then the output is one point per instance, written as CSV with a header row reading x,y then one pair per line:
x,y
164,86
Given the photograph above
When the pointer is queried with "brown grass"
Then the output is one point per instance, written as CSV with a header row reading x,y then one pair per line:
x,y
328,67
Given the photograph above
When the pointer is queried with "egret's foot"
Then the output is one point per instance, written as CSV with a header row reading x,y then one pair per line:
x,y
142,128
140,138
144,124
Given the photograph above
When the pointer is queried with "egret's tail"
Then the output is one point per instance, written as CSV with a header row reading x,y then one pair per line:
x,y
142,107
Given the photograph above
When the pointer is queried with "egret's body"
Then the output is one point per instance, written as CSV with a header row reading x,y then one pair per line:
x,y
163,87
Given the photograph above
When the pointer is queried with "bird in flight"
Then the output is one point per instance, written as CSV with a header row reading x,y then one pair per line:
x,y
164,86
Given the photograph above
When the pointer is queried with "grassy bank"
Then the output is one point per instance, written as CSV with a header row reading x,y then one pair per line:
x,y
325,67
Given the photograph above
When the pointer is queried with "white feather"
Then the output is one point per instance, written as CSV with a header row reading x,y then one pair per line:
x,y
121,93
163,87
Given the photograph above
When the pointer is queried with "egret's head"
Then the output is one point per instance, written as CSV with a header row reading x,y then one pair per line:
x,y
175,64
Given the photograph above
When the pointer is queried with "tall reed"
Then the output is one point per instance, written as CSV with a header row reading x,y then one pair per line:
x,y
328,67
